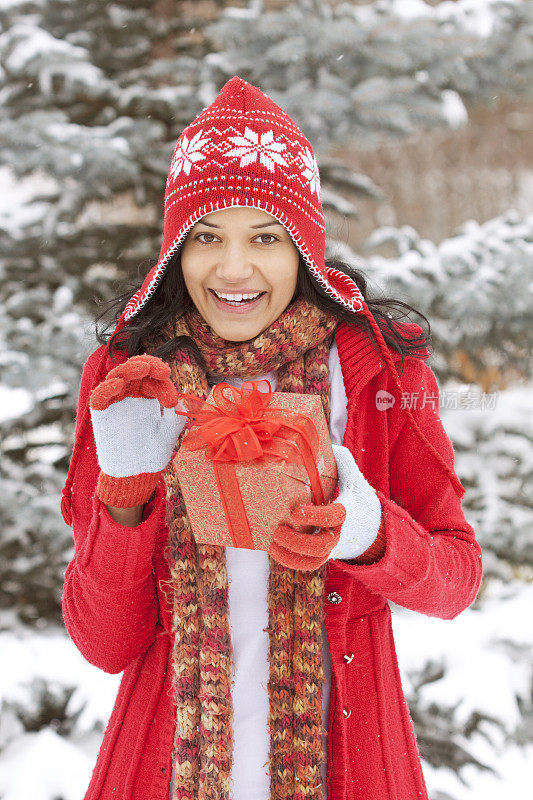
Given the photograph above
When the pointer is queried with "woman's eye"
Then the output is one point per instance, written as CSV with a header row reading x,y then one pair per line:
x,y
272,237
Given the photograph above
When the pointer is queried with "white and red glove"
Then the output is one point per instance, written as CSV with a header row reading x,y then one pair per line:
x,y
351,527
135,429
363,509
307,542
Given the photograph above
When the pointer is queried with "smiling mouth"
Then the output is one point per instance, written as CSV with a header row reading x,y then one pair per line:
x,y
242,299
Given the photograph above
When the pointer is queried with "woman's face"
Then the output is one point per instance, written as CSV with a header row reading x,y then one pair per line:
x,y
238,251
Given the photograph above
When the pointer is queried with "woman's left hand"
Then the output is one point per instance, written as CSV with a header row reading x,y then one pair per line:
x,y
346,528
301,545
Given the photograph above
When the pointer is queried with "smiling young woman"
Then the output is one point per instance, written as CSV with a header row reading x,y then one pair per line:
x,y
238,661
236,252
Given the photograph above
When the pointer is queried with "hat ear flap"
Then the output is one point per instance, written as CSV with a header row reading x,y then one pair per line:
x,y
342,288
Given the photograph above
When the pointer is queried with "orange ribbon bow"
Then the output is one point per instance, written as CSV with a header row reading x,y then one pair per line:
x,y
244,428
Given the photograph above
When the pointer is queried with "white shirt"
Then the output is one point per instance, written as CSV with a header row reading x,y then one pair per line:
x,y
248,574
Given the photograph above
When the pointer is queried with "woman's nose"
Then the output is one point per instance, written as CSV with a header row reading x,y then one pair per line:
x,y
234,266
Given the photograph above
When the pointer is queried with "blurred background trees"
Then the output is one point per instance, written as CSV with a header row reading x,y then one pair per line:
x,y
420,114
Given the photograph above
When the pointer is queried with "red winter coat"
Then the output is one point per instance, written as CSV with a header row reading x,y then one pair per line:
x,y
118,617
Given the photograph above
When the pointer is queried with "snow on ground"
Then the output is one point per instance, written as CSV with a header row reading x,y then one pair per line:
x,y
64,765
14,402
486,652
62,769
487,655
513,778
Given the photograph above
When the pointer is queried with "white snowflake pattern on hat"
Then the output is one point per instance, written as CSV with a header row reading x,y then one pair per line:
x,y
187,153
249,147
310,170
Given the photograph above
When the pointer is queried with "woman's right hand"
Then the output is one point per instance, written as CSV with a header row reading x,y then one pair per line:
x,y
135,429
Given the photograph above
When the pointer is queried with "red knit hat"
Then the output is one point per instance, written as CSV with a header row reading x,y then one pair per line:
x,y
244,150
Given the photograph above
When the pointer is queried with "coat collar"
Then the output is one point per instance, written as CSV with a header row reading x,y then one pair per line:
x,y
358,356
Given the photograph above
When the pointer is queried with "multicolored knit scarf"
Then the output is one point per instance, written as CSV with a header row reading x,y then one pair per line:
x,y
297,346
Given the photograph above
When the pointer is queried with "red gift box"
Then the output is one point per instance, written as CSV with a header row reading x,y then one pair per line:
x,y
250,457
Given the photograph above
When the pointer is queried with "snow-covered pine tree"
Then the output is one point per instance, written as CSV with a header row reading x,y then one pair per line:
x,y
475,288
93,97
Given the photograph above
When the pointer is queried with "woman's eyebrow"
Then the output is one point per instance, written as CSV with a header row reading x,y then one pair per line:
x,y
261,225
266,225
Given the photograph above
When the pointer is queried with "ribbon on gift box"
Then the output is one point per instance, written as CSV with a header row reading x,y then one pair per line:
x,y
245,428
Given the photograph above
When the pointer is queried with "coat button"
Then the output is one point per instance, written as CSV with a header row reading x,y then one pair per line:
x,y
349,658
334,597
347,712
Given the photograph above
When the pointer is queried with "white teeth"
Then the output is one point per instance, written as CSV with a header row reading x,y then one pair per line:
x,y
236,296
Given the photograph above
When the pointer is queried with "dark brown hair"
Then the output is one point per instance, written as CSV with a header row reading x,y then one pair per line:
x,y
171,299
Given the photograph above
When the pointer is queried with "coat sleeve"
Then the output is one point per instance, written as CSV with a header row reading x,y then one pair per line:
x,y
432,562
109,600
